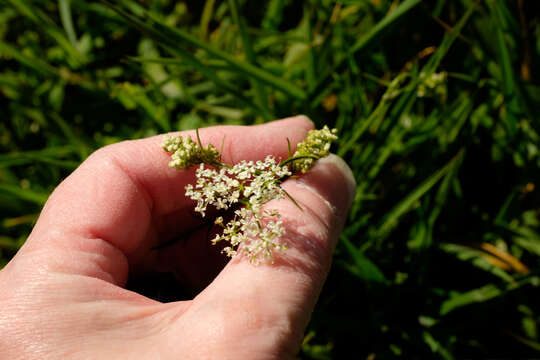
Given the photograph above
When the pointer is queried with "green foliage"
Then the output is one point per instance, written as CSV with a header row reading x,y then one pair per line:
x,y
436,103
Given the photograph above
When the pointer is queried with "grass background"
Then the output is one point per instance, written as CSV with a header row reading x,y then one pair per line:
x,y
436,102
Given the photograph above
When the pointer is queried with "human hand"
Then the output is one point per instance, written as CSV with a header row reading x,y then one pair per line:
x,y
63,294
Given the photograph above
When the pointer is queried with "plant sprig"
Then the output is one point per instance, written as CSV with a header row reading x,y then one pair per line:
x,y
254,231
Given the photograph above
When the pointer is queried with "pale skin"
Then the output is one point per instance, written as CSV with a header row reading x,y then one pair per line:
x,y
63,294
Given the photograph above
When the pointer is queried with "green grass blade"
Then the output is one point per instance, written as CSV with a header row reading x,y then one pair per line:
x,y
363,42
9,243
48,26
273,14
509,86
363,267
20,220
188,58
482,294
206,17
32,62
528,342
260,94
311,73
530,244
524,236
23,194
459,117
449,39
436,346
163,33
242,67
210,74
25,159
391,219
440,200
75,140
376,117
64,6
382,25
476,258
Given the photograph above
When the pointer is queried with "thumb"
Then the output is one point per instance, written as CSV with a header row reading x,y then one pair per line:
x,y
277,299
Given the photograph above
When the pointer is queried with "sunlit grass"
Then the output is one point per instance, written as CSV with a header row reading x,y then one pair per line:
x,y
436,103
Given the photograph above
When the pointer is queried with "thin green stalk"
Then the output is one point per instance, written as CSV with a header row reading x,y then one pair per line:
x,y
366,40
64,6
161,31
188,58
260,93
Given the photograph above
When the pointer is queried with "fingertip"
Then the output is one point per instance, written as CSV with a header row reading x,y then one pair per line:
x,y
333,180
328,188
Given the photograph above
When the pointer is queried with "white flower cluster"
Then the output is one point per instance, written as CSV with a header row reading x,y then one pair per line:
x,y
315,146
254,232
252,184
185,152
258,233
